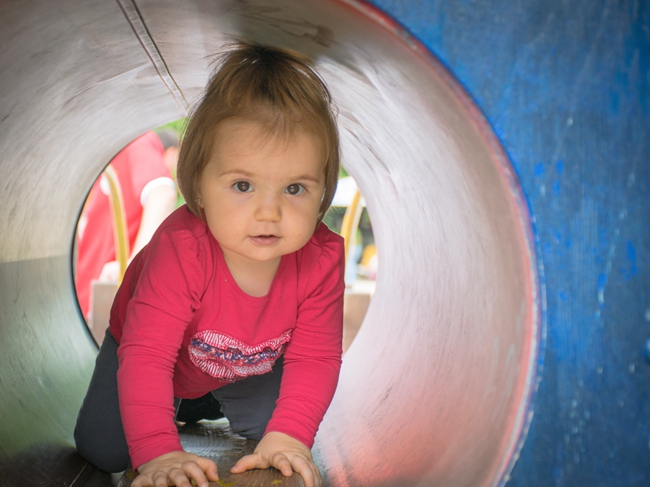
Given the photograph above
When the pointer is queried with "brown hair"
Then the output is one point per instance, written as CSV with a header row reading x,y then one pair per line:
x,y
277,88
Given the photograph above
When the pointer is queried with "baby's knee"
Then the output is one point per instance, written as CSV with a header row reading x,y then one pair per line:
x,y
248,429
105,456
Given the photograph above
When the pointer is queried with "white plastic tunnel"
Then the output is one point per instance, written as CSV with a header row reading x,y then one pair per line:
x,y
436,388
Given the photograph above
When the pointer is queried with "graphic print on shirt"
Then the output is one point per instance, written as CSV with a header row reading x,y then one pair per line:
x,y
230,359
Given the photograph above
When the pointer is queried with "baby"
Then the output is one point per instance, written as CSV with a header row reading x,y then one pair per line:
x,y
239,293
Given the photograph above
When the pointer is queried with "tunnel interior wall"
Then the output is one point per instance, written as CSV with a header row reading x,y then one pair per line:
x,y
448,220
564,86
60,62
448,216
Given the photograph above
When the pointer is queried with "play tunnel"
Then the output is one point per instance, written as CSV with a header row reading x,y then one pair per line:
x,y
439,386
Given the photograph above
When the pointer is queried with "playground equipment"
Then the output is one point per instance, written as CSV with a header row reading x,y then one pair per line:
x,y
118,220
436,389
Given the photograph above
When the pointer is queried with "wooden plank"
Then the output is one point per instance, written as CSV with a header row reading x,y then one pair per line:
x,y
215,440
97,479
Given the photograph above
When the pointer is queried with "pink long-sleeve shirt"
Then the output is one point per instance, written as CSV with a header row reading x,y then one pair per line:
x,y
186,328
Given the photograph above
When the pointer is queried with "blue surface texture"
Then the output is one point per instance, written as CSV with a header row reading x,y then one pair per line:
x,y
565,86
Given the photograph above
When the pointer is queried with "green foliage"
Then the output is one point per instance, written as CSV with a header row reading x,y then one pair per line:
x,y
177,126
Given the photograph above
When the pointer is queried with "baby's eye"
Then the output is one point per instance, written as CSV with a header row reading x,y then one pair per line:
x,y
243,186
295,189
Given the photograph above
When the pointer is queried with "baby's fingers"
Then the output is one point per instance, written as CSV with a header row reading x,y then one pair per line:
x,y
307,469
200,471
142,481
190,470
209,467
248,462
176,476
282,463
156,479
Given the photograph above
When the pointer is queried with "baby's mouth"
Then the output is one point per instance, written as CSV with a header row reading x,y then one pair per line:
x,y
264,239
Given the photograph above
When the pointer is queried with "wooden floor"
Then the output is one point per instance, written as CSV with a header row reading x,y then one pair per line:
x,y
215,440
61,465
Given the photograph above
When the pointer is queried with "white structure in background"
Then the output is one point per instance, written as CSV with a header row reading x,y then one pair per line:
x,y
345,192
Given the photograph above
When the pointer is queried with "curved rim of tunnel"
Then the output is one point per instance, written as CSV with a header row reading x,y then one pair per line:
x,y
534,270
510,180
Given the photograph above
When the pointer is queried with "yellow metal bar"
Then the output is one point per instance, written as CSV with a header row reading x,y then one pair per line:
x,y
119,221
351,222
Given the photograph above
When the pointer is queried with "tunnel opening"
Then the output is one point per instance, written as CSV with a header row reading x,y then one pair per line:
x,y
446,356
131,196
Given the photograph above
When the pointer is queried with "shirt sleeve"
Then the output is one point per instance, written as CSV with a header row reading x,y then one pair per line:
x,y
312,360
163,301
151,185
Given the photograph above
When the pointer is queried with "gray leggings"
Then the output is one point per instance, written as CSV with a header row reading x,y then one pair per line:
x,y
248,404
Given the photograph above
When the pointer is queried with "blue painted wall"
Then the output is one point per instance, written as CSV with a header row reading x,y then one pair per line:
x,y
565,85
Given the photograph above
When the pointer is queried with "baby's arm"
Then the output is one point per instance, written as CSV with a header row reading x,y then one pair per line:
x,y
311,367
155,319
176,468
284,453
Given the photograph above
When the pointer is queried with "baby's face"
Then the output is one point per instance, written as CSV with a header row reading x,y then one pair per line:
x,y
261,195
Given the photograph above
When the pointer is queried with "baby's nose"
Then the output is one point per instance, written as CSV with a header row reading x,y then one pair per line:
x,y
269,208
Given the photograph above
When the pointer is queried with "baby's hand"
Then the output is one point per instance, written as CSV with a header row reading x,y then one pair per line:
x,y
176,468
284,453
